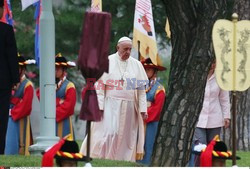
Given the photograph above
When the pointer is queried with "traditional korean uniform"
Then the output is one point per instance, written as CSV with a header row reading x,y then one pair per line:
x,y
19,136
155,93
65,100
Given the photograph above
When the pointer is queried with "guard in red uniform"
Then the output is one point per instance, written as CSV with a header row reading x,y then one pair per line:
x,y
65,97
155,100
19,137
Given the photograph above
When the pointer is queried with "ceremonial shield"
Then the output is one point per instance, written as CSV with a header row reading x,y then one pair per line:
x,y
232,46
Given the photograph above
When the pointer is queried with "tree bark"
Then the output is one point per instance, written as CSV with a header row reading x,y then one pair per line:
x,y
191,28
242,8
243,116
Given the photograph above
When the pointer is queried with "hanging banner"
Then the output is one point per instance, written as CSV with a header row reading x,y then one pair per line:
x,y
144,31
167,29
96,5
27,3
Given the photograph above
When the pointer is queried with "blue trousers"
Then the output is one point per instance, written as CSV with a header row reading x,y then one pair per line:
x,y
149,142
12,138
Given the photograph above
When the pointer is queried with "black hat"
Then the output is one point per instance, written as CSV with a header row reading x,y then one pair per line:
x,y
215,149
70,151
62,61
23,62
65,149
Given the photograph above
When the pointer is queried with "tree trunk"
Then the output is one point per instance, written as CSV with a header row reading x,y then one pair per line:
x,y
243,116
191,28
242,8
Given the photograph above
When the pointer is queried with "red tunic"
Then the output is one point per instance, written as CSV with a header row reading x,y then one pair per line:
x,y
154,111
22,107
65,108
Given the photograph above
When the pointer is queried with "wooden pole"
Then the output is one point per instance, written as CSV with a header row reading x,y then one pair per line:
x,y
234,127
234,19
139,54
88,140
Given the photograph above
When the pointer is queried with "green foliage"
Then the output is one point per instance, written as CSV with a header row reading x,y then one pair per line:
x,y
69,17
24,25
123,19
164,76
24,28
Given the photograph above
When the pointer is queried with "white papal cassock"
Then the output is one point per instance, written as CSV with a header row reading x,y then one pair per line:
x,y
120,135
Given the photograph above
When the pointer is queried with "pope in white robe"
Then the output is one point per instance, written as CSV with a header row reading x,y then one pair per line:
x,y
121,95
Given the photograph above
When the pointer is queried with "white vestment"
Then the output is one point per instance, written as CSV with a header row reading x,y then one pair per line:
x,y
120,135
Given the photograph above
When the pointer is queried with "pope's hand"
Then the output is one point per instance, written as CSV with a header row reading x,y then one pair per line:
x,y
144,115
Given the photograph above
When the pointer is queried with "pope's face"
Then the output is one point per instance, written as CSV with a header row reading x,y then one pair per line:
x,y
124,49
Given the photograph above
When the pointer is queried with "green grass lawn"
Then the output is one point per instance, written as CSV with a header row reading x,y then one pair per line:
x,y
35,161
244,161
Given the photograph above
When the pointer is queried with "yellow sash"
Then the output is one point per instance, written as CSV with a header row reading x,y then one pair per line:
x,y
24,147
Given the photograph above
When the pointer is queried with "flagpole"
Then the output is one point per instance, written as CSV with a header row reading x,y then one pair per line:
x,y
234,128
88,128
234,19
139,54
88,140
47,136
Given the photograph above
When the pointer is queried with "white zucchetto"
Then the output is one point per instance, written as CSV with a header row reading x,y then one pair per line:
x,y
124,39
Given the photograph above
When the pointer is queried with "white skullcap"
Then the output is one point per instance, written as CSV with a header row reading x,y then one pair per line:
x,y
124,38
